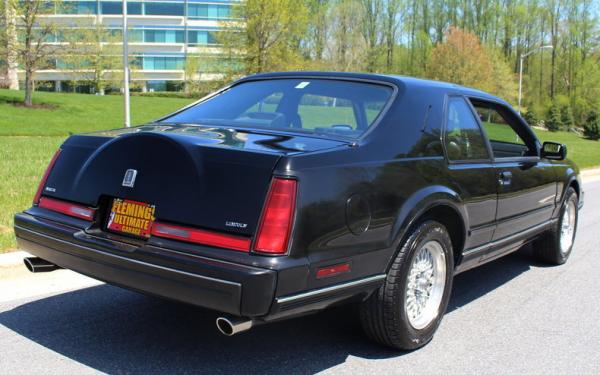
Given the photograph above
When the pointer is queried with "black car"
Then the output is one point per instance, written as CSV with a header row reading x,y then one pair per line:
x,y
287,193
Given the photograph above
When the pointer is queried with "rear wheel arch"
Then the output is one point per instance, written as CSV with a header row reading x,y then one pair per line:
x,y
575,185
446,213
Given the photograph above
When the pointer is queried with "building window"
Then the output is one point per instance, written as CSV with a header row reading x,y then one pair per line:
x,y
164,9
116,7
163,63
208,11
201,37
78,7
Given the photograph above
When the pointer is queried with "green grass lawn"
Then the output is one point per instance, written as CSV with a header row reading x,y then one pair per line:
x,y
77,113
29,138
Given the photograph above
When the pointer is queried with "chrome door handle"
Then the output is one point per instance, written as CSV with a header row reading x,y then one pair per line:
x,y
505,178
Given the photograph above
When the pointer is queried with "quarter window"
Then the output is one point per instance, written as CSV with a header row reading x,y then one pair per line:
x,y
463,137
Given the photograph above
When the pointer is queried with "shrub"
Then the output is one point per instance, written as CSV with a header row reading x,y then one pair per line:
x,y
591,128
553,121
566,117
531,117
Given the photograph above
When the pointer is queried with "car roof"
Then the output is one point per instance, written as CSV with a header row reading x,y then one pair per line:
x,y
408,82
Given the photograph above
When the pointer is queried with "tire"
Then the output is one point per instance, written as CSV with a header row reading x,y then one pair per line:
x,y
384,315
549,248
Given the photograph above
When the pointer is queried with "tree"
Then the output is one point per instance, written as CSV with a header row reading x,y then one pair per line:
x,y
34,52
553,122
531,117
591,128
372,11
8,41
460,59
94,56
271,37
566,117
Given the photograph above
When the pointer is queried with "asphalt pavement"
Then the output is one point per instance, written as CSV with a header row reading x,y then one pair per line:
x,y
510,316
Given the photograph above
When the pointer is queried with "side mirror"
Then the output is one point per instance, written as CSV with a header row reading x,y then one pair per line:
x,y
554,151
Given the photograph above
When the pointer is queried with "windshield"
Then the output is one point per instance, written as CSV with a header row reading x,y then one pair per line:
x,y
319,106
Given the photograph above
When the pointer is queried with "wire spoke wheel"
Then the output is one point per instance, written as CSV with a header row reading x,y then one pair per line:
x,y
425,285
567,227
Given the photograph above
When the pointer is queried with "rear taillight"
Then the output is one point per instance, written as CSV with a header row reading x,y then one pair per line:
x,y
67,208
200,236
277,217
38,194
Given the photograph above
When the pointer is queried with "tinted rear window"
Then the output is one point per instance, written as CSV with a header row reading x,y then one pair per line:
x,y
320,106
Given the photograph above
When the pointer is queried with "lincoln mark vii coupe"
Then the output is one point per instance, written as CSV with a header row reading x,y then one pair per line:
x,y
283,194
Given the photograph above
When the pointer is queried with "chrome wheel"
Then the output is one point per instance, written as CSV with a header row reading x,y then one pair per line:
x,y
567,227
425,286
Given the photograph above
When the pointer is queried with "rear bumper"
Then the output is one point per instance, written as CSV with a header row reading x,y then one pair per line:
x,y
222,285
219,285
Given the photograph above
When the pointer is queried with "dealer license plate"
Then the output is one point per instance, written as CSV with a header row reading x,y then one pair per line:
x,y
131,217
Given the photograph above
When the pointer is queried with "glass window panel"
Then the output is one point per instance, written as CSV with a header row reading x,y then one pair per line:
x,y
135,36
116,7
170,36
223,11
198,10
464,140
213,11
326,106
164,9
192,37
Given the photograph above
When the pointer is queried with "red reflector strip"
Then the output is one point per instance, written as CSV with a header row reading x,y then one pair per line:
x,y
75,210
333,270
276,222
200,236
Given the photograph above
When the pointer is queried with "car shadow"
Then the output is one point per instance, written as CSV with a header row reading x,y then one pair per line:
x,y
114,330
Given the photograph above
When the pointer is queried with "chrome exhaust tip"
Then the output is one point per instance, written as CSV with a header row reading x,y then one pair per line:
x,y
35,265
232,326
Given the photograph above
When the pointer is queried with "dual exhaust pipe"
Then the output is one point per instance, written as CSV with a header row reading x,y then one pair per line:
x,y
228,326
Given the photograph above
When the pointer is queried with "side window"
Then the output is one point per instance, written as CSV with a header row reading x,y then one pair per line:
x,y
319,111
268,104
504,139
463,137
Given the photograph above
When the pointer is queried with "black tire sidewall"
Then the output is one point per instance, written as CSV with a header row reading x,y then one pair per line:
x,y
427,231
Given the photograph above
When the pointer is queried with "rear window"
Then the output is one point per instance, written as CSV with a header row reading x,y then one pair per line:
x,y
320,106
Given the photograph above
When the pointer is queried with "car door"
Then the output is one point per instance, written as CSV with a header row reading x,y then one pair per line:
x,y
526,183
470,170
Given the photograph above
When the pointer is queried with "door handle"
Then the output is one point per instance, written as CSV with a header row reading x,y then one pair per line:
x,y
505,178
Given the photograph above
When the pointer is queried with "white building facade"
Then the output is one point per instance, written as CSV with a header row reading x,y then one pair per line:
x,y
163,34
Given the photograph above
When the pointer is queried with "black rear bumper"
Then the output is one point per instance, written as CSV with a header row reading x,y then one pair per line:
x,y
222,285
219,285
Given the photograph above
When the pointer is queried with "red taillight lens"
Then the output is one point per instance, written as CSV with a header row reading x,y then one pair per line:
x,y
277,218
38,194
71,209
200,236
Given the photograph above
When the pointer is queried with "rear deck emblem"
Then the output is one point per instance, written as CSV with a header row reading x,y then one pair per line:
x,y
129,178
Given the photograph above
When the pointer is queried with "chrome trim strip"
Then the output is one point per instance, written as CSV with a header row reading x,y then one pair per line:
x,y
508,239
328,289
121,258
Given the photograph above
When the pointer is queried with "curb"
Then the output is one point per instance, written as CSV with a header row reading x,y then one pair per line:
x,y
590,173
12,259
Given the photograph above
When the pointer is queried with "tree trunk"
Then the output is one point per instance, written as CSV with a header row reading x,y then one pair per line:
x,y
12,80
28,88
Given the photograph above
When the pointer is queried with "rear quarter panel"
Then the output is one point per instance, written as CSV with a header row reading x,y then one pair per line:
x,y
399,158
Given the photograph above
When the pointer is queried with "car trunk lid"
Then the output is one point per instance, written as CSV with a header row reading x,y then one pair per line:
x,y
197,176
